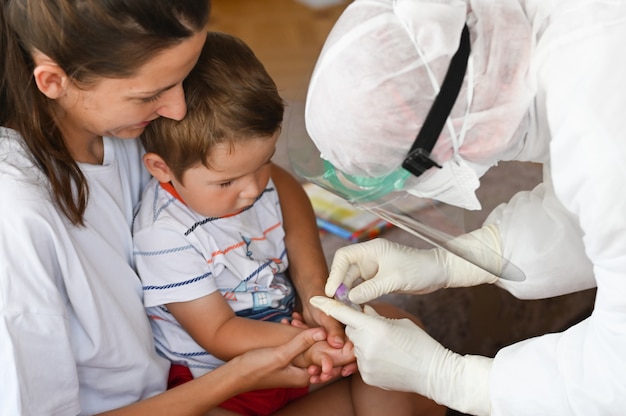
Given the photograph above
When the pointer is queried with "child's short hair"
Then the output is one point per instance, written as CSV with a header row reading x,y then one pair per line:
x,y
230,97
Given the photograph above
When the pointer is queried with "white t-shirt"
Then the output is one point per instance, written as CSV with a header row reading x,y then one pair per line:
x,y
74,337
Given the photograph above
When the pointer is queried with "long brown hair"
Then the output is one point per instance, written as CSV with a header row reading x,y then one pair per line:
x,y
88,39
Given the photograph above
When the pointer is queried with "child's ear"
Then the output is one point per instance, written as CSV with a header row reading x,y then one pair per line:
x,y
50,78
157,167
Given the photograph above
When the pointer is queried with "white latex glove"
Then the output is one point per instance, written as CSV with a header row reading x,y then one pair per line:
x,y
396,354
389,267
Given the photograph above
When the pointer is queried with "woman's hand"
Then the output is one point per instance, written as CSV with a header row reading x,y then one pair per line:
x,y
326,368
326,362
297,320
272,367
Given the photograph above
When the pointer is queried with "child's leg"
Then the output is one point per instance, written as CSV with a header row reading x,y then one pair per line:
x,y
372,401
331,399
220,412
352,397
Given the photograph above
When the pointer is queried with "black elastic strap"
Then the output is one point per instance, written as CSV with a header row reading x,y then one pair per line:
x,y
418,160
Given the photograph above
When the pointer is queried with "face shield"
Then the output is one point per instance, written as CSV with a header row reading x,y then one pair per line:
x,y
380,72
386,197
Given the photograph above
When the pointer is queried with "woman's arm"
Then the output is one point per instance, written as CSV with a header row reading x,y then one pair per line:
x,y
307,265
257,369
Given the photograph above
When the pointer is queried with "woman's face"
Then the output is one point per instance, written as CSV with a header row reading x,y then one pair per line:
x,y
123,107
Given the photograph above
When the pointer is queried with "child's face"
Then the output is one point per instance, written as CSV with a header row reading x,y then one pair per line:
x,y
235,180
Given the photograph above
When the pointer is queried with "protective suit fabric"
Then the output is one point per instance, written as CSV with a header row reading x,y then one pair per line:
x,y
579,75
544,240
381,69
570,232
570,393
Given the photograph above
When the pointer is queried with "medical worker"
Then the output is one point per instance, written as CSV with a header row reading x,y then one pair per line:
x,y
533,80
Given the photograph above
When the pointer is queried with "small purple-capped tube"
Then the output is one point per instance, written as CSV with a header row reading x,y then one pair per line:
x,y
341,294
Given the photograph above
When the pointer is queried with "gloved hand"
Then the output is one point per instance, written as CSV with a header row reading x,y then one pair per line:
x,y
396,354
389,267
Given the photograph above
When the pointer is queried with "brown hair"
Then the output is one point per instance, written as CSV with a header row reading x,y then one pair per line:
x,y
230,97
88,39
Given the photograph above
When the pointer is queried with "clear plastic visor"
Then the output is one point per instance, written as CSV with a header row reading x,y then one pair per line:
x,y
432,221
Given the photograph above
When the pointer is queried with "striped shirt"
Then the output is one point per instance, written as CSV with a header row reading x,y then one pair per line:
x,y
181,256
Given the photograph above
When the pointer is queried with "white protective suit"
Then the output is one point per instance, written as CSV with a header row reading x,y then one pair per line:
x,y
546,84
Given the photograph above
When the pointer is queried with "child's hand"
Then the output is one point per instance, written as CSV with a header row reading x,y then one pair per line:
x,y
315,370
318,375
314,317
326,362
297,320
271,367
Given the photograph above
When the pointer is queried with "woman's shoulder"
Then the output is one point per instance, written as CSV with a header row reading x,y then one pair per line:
x,y
17,167
23,186
14,156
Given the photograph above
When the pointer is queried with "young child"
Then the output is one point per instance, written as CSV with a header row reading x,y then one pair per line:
x,y
209,242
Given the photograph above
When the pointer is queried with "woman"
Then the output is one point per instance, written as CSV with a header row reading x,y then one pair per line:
x,y
74,337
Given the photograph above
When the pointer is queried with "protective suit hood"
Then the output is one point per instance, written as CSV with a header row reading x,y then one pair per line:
x,y
381,69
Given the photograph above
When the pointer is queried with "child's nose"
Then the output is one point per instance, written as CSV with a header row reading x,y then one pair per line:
x,y
251,189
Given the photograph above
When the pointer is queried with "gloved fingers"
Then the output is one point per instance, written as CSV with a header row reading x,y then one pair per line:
x,y
371,289
341,272
353,262
340,312
369,311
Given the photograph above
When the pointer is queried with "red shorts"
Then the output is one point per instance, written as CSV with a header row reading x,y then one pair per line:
x,y
252,403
